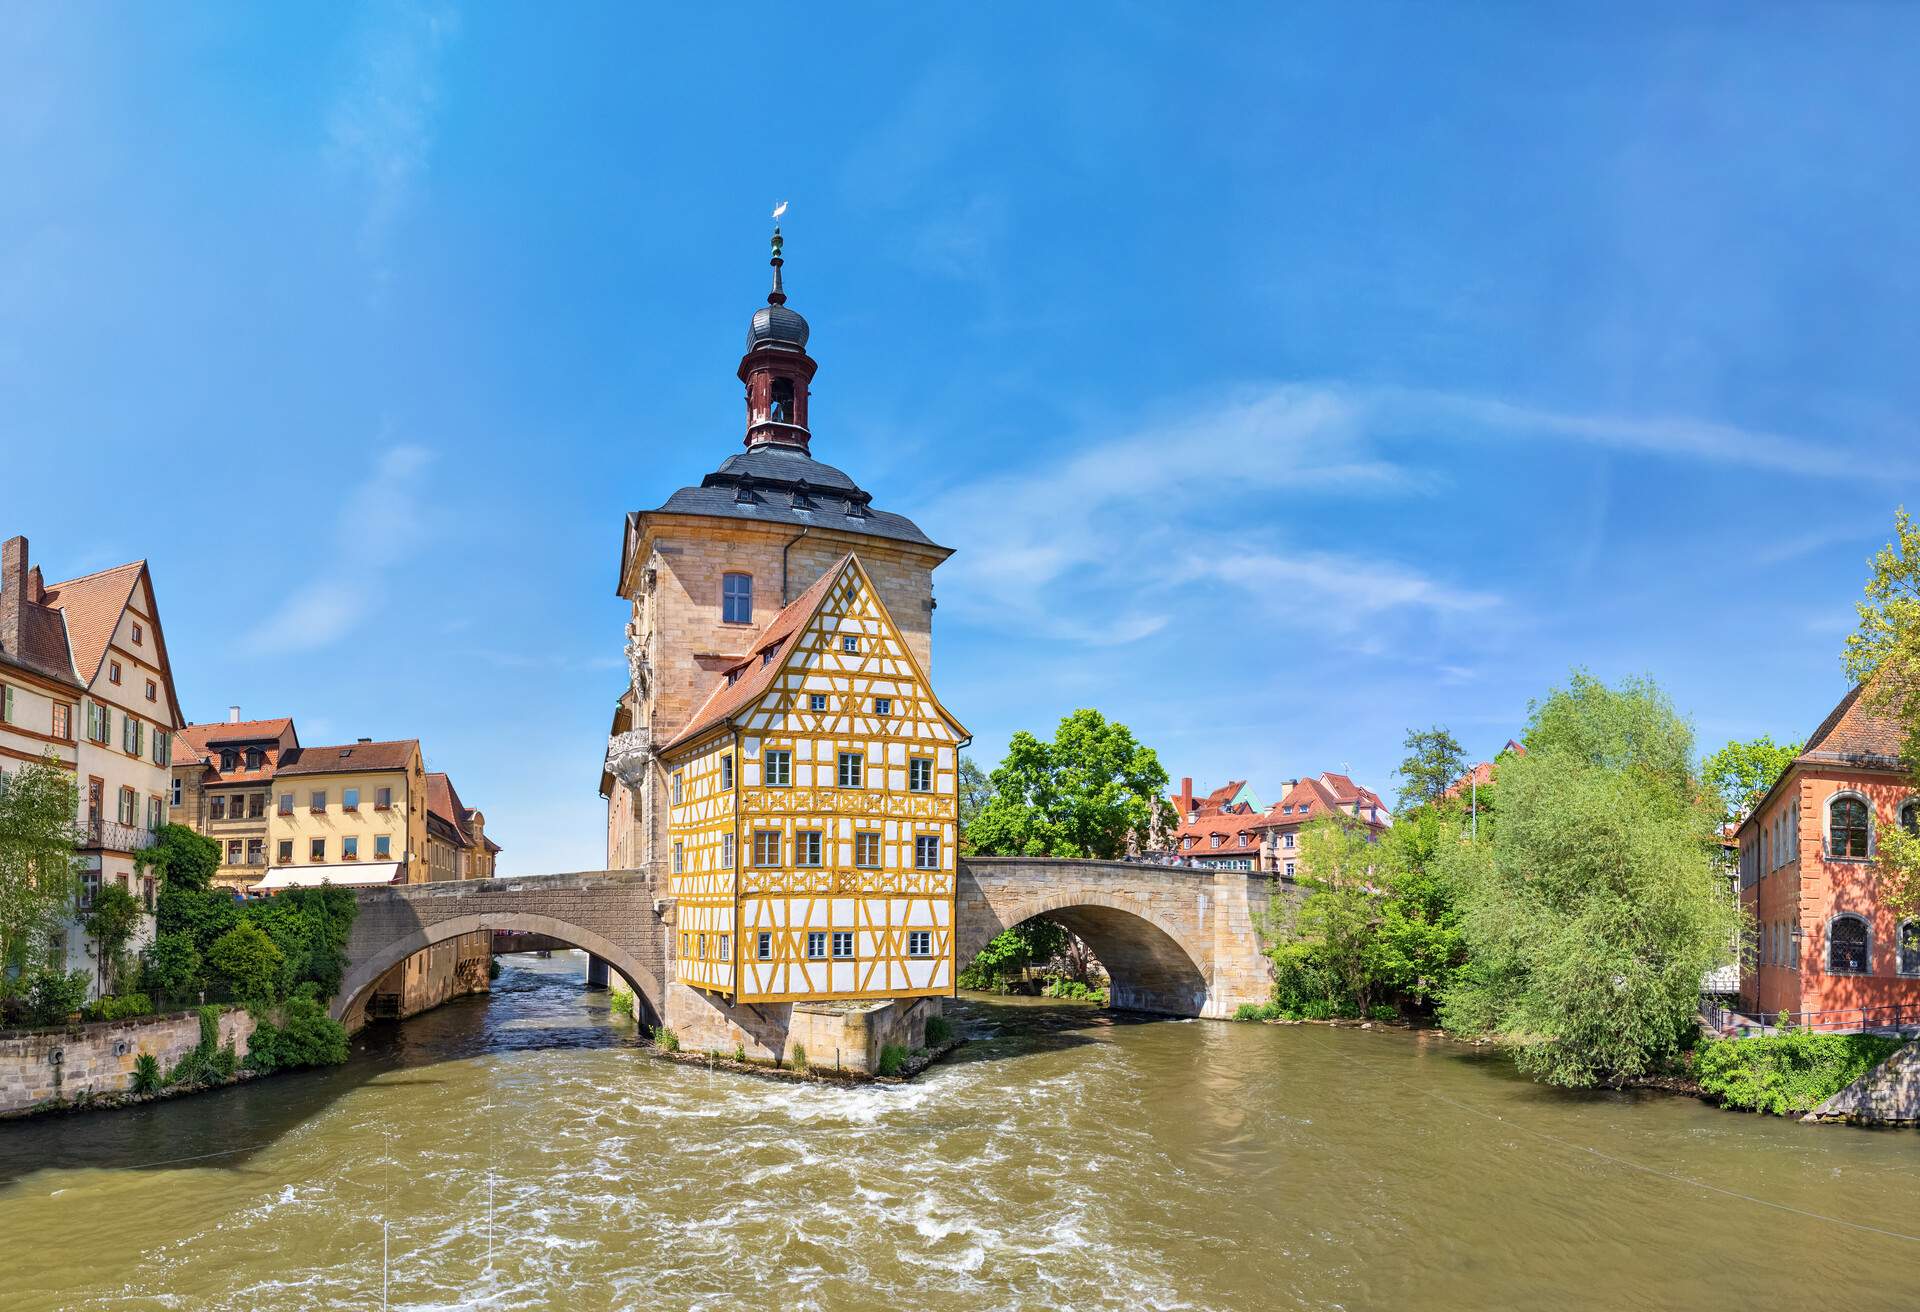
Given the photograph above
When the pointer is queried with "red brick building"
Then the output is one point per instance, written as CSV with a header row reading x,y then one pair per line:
x,y
1826,947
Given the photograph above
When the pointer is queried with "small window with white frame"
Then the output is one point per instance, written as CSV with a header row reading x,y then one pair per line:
x,y
816,945
679,858
919,942
842,944
679,780
779,767
816,701
763,946
883,706
806,847
850,770
926,852
766,847
726,771
849,642
920,774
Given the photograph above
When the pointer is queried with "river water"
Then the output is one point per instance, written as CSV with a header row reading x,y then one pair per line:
x,y
1063,1158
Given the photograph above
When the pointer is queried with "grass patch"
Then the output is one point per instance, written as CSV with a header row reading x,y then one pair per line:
x,y
939,1030
892,1057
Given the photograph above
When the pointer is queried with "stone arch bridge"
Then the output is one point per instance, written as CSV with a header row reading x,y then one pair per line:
x,y
1175,940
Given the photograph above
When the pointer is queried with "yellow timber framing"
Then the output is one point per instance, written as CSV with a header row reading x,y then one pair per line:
x,y
868,889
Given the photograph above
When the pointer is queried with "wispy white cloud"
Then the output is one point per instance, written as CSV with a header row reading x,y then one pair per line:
x,y
380,518
381,126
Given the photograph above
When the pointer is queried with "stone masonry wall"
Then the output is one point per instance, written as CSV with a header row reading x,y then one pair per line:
x,y
43,1068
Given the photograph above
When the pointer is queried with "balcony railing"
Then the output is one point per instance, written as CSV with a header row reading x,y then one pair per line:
x,y
111,834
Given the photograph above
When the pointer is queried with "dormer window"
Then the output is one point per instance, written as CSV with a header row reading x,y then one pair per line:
x,y
229,760
780,403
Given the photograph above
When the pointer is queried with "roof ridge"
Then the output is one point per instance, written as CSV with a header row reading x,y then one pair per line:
x,y
82,578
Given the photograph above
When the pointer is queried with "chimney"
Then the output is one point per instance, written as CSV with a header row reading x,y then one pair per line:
x,y
13,589
233,715
1186,793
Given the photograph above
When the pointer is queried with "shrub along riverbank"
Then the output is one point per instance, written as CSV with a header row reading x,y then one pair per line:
x,y
1786,1074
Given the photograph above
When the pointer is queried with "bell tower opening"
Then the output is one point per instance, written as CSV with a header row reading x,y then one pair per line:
x,y
776,368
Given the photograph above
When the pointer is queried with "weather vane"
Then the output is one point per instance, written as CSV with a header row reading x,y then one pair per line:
x,y
778,210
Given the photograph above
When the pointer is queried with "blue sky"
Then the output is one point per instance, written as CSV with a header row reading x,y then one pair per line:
x,y
1284,377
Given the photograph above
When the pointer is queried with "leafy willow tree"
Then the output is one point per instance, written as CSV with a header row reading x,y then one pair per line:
x,y
1010,952
38,803
1593,908
1883,655
1434,760
1742,772
1085,794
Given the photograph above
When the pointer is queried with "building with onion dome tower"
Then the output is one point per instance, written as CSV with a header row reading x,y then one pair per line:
x,y
779,649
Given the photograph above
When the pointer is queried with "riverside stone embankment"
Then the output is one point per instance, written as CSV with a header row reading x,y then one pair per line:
x,y
41,1069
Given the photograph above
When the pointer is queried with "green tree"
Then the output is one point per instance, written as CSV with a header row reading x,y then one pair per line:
x,y
1010,952
249,963
1322,945
1593,909
310,927
181,859
1883,655
38,803
171,966
1084,794
1742,772
1434,760
110,922
973,792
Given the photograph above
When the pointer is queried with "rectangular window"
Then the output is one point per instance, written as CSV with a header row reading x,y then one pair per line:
x,y
926,852
842,943
736,598
920,774
113,671
382,847
816,945
350,799
162,748
155,807
1287,841
676,787
128,804
6,704
316,849
849,769
849,643
679,858
883,706
726,771
700,946
285,851
256,851
233,851
256,806
766,847
318,800
779,769
727,853
63,721
866,851
763,946
383,799
920,943
286,804
807,847
153,691
1289,870
350,848
686,945
217,808
816,701
177,788
726,947
130,739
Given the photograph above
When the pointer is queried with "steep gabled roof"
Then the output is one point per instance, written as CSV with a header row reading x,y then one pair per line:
x,y
1854,733
92,606
749,680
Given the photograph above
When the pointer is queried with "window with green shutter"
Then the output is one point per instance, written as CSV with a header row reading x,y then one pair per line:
x,y
6,703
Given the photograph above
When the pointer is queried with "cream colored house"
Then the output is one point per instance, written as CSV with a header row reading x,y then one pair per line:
x,y
351,814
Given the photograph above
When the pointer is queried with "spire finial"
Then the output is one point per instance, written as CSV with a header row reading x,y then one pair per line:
x,y
778,296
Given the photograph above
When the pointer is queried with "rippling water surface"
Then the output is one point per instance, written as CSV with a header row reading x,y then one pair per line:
x,y
1063,1159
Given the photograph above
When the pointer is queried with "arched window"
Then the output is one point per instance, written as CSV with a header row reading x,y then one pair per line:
x,y
1849,828
1908,956
736,598
780,408
1910,815
1847,946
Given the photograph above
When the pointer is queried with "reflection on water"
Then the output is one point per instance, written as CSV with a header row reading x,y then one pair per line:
x,y
1064,1159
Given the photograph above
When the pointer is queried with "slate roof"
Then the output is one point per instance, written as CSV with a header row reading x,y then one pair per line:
x,y
349,757
779,484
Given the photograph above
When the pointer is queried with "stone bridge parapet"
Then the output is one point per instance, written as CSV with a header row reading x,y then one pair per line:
x,y
1174,939
617,915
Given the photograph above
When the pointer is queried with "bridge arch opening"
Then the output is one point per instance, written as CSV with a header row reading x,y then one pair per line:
x,y
364,974
1149,965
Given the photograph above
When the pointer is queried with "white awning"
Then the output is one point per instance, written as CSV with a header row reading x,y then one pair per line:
x,y
313,876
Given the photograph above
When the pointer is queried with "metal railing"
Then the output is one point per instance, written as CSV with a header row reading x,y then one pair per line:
x,y
1887,1016
101,832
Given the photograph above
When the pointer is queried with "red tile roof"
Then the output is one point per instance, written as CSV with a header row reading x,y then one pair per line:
x,y
201,736
350,757
1853,732
92,605
1482,773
